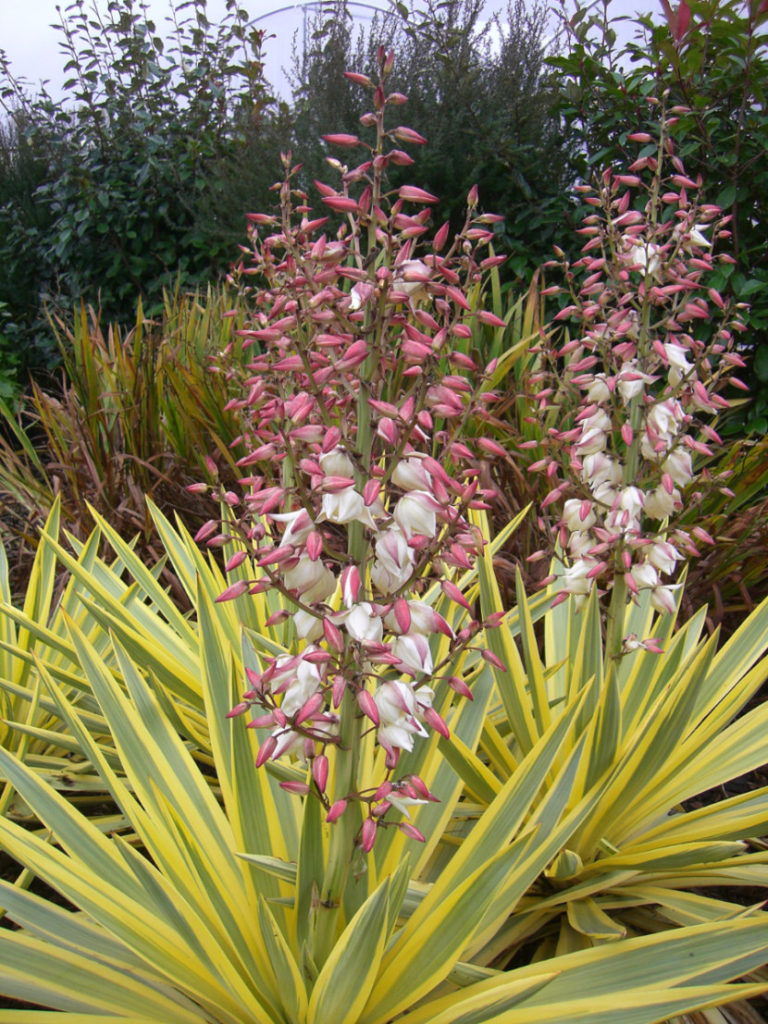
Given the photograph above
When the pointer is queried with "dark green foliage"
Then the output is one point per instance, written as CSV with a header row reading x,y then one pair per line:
x,y
127,185
479,92
711,59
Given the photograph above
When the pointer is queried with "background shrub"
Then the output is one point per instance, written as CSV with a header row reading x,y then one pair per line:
x,y
127,184
480,92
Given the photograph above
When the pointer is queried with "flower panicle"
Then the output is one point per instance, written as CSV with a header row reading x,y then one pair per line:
x,y
359,475
649,348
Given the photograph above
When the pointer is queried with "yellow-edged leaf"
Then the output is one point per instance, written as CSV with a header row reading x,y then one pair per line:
x,y
347,976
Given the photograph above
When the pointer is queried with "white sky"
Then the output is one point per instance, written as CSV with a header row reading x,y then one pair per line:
x,y
31,43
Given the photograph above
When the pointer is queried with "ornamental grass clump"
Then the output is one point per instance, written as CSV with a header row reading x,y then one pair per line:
x,y
638,376
359,478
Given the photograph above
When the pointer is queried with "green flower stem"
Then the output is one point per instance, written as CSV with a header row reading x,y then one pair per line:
x,y
345,831
614,630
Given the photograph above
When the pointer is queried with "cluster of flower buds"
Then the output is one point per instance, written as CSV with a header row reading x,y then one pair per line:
x,y
354,407
635,380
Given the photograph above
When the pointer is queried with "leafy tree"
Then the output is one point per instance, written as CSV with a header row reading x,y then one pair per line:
x,y
128,182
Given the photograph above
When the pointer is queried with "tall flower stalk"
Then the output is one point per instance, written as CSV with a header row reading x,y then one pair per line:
x,y
358,482
637,376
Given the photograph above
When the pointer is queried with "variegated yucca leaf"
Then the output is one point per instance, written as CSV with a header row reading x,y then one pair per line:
x,y
175,926
658,731
200,903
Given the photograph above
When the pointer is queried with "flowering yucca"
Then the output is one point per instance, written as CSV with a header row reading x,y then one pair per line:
x,y
355,492
650,347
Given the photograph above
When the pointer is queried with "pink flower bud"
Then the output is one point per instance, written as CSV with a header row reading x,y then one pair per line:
x,y
413,194
333,636
274,556
320,771
701,534
452,592
433,719
310,707
460,687
402,614
368,706
337,691
408,135
238,709
492,659
332,439
237,559
318,657
382,792
368,835
358,79
266,750
277,617
491,447
387,428
206,530
441,237
411,831
235,590
457,296
342,204
298,788
371,491
314,545
336,811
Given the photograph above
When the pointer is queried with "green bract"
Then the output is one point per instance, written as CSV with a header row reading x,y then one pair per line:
x,y
195,901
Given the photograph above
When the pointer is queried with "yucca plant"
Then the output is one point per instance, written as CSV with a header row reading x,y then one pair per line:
x,y
658,730
199,902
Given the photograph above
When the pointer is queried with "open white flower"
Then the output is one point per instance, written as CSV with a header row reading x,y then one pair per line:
x,y
663,597
307,625
396,703
575,579
644,575
336,463
660,504
403,802
643,256
663,556
412,276
697,237
346,506
573,516
393,565
679,367
599,468
598,390
363,624
631,381
594,433
416,513
413,651
679,465
411,475
299,526
312,580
